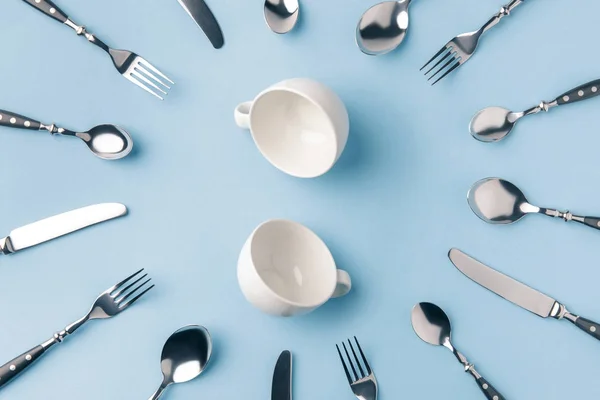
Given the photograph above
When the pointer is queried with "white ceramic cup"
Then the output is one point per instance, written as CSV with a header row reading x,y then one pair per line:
x,y
285,269
299,125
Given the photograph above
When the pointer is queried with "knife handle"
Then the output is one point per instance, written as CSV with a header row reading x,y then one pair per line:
x,y
13,120
490,392
19,364
48,8
588,326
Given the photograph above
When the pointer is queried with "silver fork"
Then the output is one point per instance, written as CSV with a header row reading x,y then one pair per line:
x,y
364,386
109,303
133,67
458,50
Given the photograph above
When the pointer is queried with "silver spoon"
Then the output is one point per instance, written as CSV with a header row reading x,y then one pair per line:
x,y
495,123
108,142
382,27
497,201
432,325
184,356
281,15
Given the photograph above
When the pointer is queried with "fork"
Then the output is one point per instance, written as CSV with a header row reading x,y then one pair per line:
x,y
364,386
458,50
133,67
113,301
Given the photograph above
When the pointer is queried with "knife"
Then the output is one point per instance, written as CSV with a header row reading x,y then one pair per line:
x,y
59,225
519,293
282,378
199,11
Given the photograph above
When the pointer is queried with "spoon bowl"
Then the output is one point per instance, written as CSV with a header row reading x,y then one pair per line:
x,y
498,201
108,142
185,355
431,324
383,27
281,15
493,124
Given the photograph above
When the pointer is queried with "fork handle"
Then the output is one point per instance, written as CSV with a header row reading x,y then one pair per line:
x,y
13,120
504,12
583,92
11,369
48,8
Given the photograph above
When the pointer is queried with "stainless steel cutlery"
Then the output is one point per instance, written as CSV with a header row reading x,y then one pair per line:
x,y
281,388
205,19
281,15
109,303
383,27
363,385
497,201
59,225
458,50
433,326
133,67
495,123
108,142
519,293
185,355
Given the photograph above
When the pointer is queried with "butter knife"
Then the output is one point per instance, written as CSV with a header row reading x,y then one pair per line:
x,y
59,225
201,14
518,293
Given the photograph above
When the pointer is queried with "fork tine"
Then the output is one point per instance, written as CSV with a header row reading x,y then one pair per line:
x,y
130,302
121,291
363,356
118,285
350,362
148,81
344,364
150,66
133,79
128,295
362,372
149,74
447,72
441,60
439,53
452,59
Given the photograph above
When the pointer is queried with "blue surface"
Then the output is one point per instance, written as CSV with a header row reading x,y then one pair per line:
x,y
390,210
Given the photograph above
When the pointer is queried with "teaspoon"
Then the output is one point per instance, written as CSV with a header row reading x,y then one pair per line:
x,y
497,201
432,325
495,123
281,15
184,356
383,27
108,142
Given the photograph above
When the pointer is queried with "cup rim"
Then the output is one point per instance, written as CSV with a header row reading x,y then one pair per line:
x,y
319,106
273,292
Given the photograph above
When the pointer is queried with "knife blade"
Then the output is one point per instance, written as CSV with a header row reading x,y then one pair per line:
x,y
59,225
282,378
519,293
201,14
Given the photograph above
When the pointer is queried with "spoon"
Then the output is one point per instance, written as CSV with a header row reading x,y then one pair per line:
x,y
281,15
495,123
184,356
497,201
382,27
108,142
432,325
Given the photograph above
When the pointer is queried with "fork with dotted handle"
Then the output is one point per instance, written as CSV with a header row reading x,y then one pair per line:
x,y
111,302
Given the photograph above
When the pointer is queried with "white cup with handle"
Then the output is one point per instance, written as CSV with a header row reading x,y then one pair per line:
x,y
285,269
299,125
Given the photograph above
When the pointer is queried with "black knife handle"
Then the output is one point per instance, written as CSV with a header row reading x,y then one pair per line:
x,y
11,369
583,92
48,8
13,120
490,392
588,326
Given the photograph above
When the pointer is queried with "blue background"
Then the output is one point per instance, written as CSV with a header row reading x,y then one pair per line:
x,y
395,203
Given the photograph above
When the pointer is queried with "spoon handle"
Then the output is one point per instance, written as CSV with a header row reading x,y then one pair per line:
x,y
48,8
583,92
488,390
13,120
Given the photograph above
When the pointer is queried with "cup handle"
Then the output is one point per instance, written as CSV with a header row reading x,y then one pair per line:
x,y
343,285
242,115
